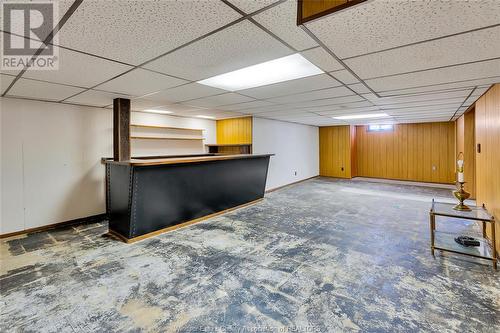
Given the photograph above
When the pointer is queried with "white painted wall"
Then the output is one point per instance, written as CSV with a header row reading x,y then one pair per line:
x,y
50,159
296,149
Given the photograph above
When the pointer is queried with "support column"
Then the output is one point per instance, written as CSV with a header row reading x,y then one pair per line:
x,y
121,129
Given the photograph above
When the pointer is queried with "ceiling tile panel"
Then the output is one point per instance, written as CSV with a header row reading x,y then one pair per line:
x,y
42,90
313,95
345,77
474,46
269,108
387,24
219,100
328,101
140,82
437,76
17,26
184,93
244,106
241,45
322,59
292,87
95,98
439,87
359,88
282,21
345,110
137,31
423,109
5,81
250,6
426,98
78,69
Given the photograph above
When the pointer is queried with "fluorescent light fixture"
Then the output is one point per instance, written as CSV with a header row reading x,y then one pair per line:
x,y
157,111
205,117
287,68
362,116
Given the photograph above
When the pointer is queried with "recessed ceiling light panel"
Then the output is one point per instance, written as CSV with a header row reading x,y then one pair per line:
x,y
287,68
205,117
362,116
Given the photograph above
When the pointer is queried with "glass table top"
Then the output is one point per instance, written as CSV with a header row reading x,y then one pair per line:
x,y
446,209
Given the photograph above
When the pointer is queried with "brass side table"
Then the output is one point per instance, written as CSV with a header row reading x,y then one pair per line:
x,y
484,251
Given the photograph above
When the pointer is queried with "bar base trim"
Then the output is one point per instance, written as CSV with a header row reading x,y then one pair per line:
x,y
180,225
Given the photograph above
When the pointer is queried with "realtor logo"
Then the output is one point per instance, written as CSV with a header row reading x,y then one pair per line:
x,y
27,25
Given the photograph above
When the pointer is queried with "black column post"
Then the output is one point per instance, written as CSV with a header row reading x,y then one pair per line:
x,y
121,129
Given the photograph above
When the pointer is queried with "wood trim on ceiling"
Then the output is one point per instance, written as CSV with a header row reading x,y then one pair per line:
x,y
330,8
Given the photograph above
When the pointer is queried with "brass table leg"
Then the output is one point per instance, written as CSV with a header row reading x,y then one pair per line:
x,y
494,244
433,227
484,229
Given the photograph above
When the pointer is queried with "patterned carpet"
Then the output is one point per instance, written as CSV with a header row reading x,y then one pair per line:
x,y
320,256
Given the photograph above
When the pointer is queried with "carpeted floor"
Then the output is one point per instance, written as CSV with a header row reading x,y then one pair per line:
x,y
321,256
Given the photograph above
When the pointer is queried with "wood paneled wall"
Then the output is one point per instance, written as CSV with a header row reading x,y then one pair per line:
x,y
418,152
234,131
336,155
487,132
466,144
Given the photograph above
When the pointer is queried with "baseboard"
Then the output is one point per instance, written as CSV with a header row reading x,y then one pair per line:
x,y
404,182
79,221
294,183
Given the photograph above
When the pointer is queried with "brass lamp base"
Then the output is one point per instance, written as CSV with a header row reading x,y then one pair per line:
x,y
461,195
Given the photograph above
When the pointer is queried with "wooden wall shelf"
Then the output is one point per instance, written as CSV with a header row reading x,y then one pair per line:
x,y
164,138
167,127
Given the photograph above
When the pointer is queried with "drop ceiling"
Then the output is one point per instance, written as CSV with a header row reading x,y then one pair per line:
x,y
417,61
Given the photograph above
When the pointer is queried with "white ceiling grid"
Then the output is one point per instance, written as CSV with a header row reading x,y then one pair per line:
x,y
417,61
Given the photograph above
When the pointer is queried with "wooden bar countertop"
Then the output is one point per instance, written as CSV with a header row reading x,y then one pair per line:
x,y
164,160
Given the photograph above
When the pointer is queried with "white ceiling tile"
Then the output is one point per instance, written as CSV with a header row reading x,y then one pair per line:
x,y
244,106
5,81
359,88
42,90
14,40
322,59
283,113
437,76
438,87
137,31
219,100
78,69
328,101
184,93
387,24
292,87
238,46
225,115
282,21
425,120
430,97
269,108
423,109
474,46
345,110
313,95
344,76
95,98
140,82
17,26
250,6
141,104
